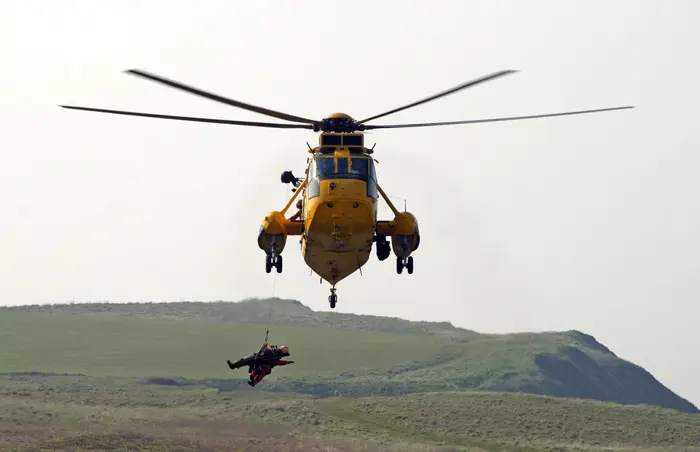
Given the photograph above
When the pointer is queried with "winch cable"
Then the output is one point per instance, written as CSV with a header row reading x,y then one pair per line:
x,y
272,296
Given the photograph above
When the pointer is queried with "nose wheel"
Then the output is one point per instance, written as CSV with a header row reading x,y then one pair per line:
x,y
403,262
333,298
273,261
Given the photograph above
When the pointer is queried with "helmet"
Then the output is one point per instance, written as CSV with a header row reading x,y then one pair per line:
x,y
284,349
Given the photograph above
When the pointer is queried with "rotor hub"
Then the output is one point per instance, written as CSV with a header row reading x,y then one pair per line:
x,y
339,123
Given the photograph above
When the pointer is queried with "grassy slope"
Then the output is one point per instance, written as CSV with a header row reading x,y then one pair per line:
x,y
342,355
99,413
474,417
93,412
257,312
119,346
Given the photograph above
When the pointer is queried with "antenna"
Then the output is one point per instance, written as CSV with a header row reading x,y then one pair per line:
x,y
404,202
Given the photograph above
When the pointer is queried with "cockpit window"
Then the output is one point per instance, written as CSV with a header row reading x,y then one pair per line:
x,y
325,166
342,165
354,167
360,166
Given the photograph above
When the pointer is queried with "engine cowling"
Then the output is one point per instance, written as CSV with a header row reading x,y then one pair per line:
x,y
272,232
406,237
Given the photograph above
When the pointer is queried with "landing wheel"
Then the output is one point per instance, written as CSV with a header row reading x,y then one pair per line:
x,y
270,262
402,263
383,250
333,298
278,264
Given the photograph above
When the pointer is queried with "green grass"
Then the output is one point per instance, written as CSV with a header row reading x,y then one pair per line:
x,y
68,413
255,311
331,399
128,346
350,359
434,372
480,418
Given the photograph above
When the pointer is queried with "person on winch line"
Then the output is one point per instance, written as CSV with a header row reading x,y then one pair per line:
x,y
260,364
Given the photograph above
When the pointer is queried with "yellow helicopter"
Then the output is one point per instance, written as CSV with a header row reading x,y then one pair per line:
x,y
337,213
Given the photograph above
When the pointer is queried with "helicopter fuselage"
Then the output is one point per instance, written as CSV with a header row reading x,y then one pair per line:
x,y
339,225
337,218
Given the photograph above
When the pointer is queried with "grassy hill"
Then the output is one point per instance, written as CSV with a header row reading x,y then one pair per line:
x,y
255,311
68,413
153,376
336,354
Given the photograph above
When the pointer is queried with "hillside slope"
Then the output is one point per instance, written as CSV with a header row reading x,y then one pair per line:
x,y
68,413
565,364
336,354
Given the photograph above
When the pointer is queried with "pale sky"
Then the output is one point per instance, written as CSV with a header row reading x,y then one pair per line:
x,y
583,222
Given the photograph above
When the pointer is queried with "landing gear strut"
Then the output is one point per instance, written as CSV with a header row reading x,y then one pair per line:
x,y
333,298
273,260
402,262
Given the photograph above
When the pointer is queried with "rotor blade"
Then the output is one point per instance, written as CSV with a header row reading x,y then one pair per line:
x,y
235,103
189,118
475,121
444,93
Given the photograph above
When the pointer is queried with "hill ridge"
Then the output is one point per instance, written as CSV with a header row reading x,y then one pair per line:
x,y
294,309
94,308
286,312
438,356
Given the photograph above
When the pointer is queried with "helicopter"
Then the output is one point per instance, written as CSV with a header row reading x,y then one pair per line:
x,y
336,216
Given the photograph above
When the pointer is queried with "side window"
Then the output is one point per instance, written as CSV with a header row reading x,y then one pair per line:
x,y
319,169
313,185
372,190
